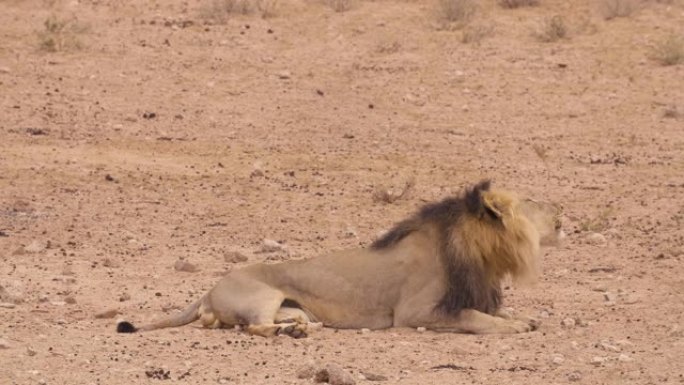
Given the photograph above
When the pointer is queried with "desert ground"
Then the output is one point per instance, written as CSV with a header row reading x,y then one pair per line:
x,y
148,147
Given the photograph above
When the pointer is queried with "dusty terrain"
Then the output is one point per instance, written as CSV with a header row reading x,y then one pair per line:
x,y
136,134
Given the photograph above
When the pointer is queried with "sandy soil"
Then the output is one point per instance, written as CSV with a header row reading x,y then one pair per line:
x,y
163,130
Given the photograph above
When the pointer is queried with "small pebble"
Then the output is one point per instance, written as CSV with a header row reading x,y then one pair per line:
x,y
7,305
111,313
182,265
595,239
234,257
568,322
574,376
598,360
625,358
557,359
269,246
4,344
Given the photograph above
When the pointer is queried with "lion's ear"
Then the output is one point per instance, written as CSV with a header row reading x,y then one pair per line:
x,y
474,197
490,207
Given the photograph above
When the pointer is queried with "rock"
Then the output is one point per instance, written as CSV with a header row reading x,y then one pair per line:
x,y
30,352
36,246
557,359
108,262
70,300
568,322
4,70
630,299
7,305
574,376
543,314
234,257
284,74
612,233
182,265
600,288
595,239
625,358
4,344
124,297
420,329
269,246
607,346
598,360
364,331
350,233
609,297
307,371
373,376
333,374
107,314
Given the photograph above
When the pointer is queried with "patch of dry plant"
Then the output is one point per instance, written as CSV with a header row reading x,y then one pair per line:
x,y
340,5
518,3
611,9
474,34
456,11
552,29
60,34
670,51
220,10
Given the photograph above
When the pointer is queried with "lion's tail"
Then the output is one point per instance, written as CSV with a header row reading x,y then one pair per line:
x,y
190,314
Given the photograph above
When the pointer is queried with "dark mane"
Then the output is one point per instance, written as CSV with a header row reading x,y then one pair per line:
x,y
443,213
467,283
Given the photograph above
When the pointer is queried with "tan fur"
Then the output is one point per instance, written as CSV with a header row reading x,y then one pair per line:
x,y
419,274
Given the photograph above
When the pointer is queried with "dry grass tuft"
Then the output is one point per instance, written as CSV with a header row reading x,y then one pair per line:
x,y
510,4
599,223
457,11
611,9
219,10
670,51
60,34
474,34
552,29
340,5
387,195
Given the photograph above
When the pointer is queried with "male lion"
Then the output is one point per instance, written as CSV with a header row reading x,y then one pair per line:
x,y
440,269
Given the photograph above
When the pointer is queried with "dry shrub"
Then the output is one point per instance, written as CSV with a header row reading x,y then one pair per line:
x,y
552,29
387,195
670,51
60,34
460,11
518,3
610,9
476,33
219,10
339,5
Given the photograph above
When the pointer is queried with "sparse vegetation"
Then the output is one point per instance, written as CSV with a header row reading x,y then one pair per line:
x,y
552,29
476,33
60,34
670,51
219,10
610,9
518,3
597,224
340,5
459,11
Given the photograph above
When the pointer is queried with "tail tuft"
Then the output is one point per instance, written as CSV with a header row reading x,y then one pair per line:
x,y
125,327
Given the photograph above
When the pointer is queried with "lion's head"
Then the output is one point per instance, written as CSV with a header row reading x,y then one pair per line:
x,y
484,236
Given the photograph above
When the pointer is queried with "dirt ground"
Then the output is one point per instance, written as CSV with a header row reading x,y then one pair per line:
x,y
135,134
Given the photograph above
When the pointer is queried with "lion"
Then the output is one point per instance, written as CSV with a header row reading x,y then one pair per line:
x,y
440,269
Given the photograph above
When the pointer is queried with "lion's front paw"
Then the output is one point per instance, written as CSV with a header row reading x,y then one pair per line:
x,y
294,330
518,326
